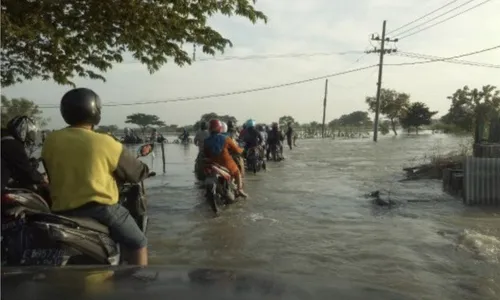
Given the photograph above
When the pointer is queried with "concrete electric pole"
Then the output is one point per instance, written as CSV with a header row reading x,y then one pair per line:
x,y
382,51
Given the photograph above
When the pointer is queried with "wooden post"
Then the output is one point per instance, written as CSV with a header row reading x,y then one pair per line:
x,y
324,110
163,157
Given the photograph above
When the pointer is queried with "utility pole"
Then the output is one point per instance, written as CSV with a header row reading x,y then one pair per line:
x,y
382,51
324,110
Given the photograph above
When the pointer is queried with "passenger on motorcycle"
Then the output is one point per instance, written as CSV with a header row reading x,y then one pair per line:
x,y
16,164
236,156
231,130
252,137
83,167
275,140
218,149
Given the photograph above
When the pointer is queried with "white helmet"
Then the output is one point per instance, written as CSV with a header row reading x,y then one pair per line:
x,y
224,127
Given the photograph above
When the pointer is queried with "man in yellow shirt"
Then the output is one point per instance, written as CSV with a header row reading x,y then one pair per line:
x,y
83,167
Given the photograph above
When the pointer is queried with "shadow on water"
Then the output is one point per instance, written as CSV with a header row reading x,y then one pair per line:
x,y
182,283
308,217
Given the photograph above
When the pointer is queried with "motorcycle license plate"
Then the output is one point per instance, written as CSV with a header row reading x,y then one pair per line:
x,y
46,257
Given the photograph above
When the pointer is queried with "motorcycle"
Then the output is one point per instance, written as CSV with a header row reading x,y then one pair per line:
x,y
276,152
220,188
32,235
254,161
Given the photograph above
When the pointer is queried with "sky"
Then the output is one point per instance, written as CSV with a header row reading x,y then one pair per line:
x,y
300,27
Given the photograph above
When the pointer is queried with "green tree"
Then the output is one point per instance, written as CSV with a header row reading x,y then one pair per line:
x,y
384,126
356,118
392,105
210,116
416,115
470,105
67,38
21,106
283,121
144,121
107,128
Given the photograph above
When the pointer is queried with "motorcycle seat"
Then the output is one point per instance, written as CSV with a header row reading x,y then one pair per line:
x,y
89,224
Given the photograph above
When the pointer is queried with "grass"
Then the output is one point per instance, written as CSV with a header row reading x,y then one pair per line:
x,y
431,165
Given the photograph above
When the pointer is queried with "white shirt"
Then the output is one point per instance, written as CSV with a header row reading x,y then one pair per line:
x,y
200,137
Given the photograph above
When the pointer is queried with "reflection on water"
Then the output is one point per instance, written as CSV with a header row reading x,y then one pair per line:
x,y
307,216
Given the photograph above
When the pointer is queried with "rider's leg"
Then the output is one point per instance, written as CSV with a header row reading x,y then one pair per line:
x,y
122,228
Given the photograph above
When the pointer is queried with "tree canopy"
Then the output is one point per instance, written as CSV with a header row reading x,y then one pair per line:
x,y
416,115
392,105
356,118
19,107
209,116
283,121
144,121
67,38
468,105
107,128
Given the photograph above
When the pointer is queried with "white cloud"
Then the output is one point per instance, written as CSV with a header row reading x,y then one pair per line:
x,y
307,27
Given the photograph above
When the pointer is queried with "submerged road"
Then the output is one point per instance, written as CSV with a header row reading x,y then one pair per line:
x,y
308,217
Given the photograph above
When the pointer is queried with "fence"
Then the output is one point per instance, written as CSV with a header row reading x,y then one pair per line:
x,y
482,181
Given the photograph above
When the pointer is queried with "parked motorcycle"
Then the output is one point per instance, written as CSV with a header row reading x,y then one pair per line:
x,y
33,236
220,188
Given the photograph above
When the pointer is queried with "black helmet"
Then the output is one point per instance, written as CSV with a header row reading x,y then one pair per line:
x,y
81,106
22,128
203,125
260,127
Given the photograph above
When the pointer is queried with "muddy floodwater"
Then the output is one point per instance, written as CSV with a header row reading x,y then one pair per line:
x,y
308,217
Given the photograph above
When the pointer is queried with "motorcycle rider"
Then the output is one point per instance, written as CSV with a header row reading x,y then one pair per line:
x,y
224,129
274,140
184,137
16,166
83,167
201,135
218,148
252,137
263,133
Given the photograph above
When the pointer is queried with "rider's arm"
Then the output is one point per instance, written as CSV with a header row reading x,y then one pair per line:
x,y
196,139
232,147
130,169
260,139
22,171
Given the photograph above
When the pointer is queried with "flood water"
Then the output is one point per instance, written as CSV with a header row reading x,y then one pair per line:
x,y
308,217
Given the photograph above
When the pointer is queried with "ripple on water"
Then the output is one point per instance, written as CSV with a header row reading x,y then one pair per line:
x,y
307,215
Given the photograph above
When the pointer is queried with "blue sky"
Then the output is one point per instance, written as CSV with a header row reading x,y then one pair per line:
x,y
299,27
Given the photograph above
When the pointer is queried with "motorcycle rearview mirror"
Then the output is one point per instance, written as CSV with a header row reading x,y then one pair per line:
x,y
145,150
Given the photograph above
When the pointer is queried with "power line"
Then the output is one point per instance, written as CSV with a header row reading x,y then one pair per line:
x,y
272,56
461,62
268,56
442,21
436,17
445,58
183,99
426,15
